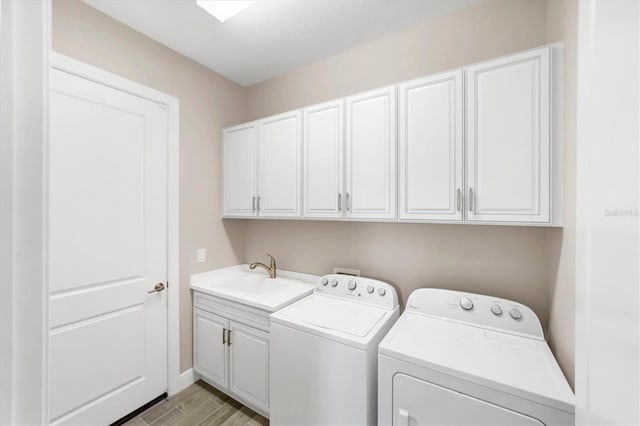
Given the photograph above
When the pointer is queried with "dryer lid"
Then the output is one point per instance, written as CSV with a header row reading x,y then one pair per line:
x,y
333,314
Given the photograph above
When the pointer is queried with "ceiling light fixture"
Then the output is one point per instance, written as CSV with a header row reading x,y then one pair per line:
x,y
224,9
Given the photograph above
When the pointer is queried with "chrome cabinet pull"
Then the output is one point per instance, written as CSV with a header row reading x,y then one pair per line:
x,y
471,199
348,202
224,340
253,204
229,337
339,202
258,203
459,199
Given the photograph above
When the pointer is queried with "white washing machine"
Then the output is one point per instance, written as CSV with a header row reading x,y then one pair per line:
x,y
464,359
323,352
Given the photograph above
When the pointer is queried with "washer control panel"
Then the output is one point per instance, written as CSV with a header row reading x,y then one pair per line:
x,y
366,290
476,309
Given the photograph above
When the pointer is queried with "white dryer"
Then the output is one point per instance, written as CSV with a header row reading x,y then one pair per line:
x,y
323,352
464,359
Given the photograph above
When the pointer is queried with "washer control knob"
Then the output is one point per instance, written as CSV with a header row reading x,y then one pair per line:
x,y
382,291
334,283
370,289
497,310
515,314
466,303
352,285
325,281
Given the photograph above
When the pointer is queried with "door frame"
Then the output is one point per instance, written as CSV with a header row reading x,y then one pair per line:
x,y
175,381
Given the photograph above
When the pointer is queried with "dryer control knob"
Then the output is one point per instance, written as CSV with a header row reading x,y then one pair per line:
x,y
352,285
325,281
497,310
382,291
370,289
334,283
515,314
466,303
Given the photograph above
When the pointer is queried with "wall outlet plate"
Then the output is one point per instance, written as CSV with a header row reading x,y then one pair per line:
x,y
346,271
201,255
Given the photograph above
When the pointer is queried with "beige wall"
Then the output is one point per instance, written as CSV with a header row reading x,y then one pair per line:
x,y
208,102
562,25
531,265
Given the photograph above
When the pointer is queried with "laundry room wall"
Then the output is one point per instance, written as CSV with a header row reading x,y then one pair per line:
x,y
513,262
208,103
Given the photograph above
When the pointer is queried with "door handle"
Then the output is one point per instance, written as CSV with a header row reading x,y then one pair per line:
x,y
403,417
157,289
224,331
339,202
471,199
459,200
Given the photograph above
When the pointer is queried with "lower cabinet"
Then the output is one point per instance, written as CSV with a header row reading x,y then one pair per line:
x,y
233,357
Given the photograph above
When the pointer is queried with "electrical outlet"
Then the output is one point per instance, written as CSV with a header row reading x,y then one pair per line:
x,y
346,271
202,255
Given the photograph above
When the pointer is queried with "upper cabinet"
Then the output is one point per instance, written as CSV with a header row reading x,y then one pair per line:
x,y
508,138
480,144
430,148
323,165
239,153
279,186
371,155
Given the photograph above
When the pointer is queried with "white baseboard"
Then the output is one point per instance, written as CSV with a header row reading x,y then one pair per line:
x,y
185,380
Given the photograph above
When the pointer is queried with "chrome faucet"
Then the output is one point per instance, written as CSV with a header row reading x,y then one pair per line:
x,y
271,269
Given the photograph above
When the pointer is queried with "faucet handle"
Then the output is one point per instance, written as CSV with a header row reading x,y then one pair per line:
x,y
273,259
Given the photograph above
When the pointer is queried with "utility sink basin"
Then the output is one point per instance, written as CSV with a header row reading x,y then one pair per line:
x,y
259,286
254,288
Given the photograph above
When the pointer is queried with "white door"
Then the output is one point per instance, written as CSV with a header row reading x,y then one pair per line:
x,y
210,356
239,146
430,148
323,166
280,171
508,138
249,367
107,250
371,155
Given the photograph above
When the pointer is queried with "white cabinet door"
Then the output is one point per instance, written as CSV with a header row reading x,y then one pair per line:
x,y
508,138
280,171
210,355
323,148
249,377
239,168
371,155
430,148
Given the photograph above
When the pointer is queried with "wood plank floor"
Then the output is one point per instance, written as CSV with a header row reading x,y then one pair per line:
x,y
199,404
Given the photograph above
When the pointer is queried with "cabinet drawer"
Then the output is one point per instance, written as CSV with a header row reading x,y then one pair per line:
x,y
234,311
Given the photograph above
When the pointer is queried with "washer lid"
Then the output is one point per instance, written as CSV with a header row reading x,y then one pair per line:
x,y
356,319
508,363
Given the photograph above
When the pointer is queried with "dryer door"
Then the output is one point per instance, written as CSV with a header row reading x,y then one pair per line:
x,y
416,402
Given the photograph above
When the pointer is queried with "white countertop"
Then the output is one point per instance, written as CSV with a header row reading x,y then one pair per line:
x,y
254,287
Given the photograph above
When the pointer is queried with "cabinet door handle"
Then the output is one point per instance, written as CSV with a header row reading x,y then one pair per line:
x,y
258,203
348,202
224,332
459,199
229,337
471,199
253,204
339,202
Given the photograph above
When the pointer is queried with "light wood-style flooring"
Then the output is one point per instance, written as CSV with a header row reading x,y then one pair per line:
x,y
199,404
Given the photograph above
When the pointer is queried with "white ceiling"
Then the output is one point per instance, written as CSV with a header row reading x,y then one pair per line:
x,y
271,37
